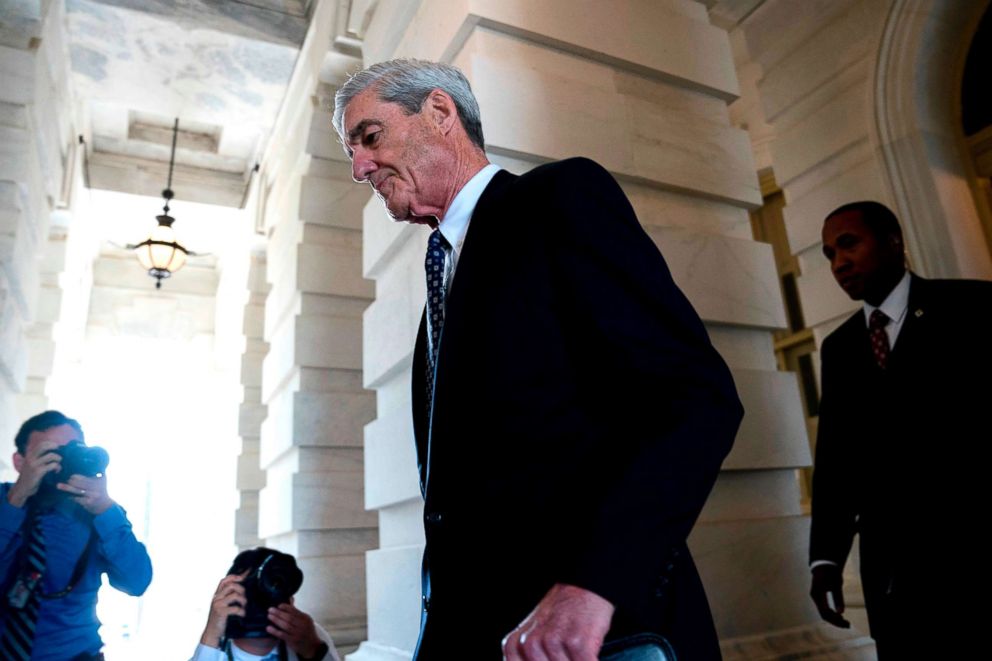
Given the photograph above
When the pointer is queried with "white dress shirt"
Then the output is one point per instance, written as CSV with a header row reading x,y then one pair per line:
x,y
454,225
207,653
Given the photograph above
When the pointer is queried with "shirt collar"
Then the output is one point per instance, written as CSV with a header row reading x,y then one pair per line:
x,y
239,654
454,225
895,304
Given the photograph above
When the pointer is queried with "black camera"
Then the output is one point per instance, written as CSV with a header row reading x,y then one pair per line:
x,y
273,578
77,459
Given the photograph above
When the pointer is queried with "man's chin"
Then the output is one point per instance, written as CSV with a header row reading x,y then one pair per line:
x,y
854,289
855,295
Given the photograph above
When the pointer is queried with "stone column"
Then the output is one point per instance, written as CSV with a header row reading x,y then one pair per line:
x,y
251,478
642,87
35,147
311,440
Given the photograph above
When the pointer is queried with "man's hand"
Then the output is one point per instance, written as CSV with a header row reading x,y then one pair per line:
x,y
296,628
569,624
89,492
38,463
229,599
828,579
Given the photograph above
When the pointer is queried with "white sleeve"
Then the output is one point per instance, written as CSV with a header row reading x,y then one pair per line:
x,y
206,653
332,652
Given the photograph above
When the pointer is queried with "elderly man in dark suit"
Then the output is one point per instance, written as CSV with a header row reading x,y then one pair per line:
x,y
897,454
570,412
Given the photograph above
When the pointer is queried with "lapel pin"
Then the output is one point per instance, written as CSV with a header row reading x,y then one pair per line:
x,y
918,313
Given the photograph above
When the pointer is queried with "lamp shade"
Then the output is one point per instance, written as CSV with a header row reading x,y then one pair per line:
x,y
161,254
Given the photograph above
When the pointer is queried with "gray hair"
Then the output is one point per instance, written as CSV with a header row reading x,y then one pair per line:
x,y
408,83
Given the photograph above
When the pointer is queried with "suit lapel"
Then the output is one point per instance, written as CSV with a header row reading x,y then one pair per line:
x,y
914,323
453,314
418,399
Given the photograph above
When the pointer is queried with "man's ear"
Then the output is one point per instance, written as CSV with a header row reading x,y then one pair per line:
x,y
896,242
442,109
18,460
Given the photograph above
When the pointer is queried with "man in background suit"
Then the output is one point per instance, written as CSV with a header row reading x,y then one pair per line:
x,y
902,434
572,416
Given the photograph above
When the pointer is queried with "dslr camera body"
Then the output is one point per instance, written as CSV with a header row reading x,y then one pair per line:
x,y
273,578
77,459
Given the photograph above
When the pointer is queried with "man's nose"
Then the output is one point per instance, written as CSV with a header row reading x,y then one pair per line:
x,y
839,263
361,166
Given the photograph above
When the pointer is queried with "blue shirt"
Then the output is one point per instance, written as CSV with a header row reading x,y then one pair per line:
x,y
68,626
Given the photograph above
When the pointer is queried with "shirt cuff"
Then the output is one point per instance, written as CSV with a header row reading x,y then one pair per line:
x,y
110,520
816,563
207,653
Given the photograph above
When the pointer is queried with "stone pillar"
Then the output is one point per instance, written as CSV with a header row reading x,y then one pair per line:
x,y
251,478
311,440
35,147
641,87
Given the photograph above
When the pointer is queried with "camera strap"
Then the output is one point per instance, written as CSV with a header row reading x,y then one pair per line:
x,y
77,572
31,584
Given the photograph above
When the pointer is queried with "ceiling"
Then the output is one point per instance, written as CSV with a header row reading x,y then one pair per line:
x,y
222,68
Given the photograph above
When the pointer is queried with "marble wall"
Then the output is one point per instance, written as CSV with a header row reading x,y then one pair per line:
x,y
251,478
869,120
310,442
36,136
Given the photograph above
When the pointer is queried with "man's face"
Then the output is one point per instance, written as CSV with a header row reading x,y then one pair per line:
x,y
58,436
401,156
862,263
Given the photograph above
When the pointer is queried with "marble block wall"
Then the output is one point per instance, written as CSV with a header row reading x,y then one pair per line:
x,y
832,143
310,443
252,412
642,87
35,138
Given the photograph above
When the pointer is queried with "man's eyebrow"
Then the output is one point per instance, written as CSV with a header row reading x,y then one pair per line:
x,y
360,128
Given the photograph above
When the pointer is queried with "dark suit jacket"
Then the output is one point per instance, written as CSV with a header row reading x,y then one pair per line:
x,y
898,458
579,422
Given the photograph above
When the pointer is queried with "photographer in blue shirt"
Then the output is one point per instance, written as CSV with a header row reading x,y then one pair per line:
x,y
59,531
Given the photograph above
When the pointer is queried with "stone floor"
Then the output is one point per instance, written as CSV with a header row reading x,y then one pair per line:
x,y
822,642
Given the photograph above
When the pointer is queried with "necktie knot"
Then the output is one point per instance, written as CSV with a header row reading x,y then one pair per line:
x,y
436,241
878,320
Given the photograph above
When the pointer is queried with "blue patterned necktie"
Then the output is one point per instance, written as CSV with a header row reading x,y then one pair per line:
x,y
18,633
434,267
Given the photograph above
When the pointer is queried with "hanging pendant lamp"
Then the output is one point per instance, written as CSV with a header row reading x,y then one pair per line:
x,y
161,254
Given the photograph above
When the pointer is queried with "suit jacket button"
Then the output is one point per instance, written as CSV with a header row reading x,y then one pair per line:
x,y
433,517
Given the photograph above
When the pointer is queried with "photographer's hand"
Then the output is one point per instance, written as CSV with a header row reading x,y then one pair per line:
x,y
296,628
89,492
38,463
229,599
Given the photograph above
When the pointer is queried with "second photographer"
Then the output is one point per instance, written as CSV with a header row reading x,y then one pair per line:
x,y
253,618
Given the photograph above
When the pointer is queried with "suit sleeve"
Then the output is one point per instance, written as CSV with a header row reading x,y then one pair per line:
x,y
126,561
654,372
834,509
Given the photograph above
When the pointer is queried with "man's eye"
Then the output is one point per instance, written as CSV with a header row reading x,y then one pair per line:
x,y
371,138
